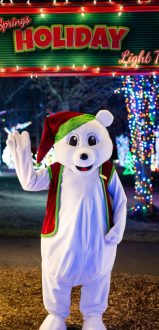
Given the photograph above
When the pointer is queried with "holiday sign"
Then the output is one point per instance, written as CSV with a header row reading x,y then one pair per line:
x,y
69,37
79,40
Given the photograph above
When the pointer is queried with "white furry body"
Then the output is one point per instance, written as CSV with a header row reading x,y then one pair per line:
x,y
81,231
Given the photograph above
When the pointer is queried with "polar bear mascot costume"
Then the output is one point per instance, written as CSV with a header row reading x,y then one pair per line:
x,y
81,229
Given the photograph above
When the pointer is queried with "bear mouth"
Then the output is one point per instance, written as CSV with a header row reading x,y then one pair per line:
x,y
84,169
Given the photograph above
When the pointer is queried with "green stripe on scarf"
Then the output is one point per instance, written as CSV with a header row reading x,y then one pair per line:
x,y
105,197
50,172
111,174
72,124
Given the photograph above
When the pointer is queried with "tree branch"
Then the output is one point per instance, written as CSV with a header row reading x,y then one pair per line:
x,y
15,92
54,91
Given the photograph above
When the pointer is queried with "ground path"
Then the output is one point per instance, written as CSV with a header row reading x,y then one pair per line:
x,y
132,257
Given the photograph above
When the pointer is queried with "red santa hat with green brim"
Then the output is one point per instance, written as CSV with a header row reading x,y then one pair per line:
x,y
57,126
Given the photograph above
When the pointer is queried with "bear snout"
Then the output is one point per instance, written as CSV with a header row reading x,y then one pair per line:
x,y
83,157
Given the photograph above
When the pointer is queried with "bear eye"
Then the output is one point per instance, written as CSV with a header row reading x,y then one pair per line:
x,y
73,140
92,140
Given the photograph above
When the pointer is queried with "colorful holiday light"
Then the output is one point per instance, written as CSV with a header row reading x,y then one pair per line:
x,y
153,161
18,126
7,158
0,151
129,164
2,112
156,132
47,161
122,148
141,101
7,130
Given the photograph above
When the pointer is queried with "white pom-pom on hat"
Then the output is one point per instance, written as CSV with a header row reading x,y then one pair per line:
x,y
105,117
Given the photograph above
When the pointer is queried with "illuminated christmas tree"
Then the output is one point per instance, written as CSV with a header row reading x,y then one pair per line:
x,y
129,164
122,148
141,101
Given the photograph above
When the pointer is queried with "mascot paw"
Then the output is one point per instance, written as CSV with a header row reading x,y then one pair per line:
x,y
94,323
18,141
53,322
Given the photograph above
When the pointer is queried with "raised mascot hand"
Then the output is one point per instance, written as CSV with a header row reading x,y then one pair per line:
x,y
20,148
18,143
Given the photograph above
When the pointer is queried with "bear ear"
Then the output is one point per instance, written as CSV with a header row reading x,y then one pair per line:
x,y
105,117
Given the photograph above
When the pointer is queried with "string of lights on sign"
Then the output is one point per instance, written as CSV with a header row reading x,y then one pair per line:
x,y
94,3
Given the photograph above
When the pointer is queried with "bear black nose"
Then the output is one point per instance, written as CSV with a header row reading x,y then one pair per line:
x,y
83,156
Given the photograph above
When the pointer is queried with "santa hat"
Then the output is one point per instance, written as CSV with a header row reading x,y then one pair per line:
x,y
57,126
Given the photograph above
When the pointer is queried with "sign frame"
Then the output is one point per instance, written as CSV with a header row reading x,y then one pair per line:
x,y
66,8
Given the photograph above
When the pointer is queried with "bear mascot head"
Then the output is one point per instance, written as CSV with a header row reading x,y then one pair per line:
x,y
82,142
